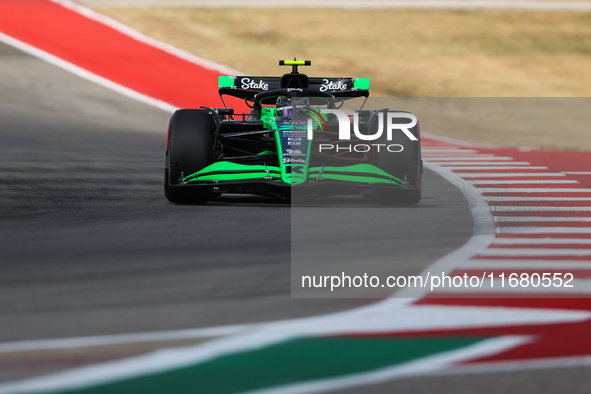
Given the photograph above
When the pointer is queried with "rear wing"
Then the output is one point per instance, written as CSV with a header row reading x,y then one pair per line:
x,y
247,87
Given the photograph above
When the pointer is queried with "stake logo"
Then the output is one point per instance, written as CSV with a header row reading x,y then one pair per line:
x,y
247,83
332,85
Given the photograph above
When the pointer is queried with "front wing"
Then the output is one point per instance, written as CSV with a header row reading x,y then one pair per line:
x,y
364,176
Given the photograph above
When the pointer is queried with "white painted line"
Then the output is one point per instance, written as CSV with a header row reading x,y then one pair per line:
x,y
512,366
500,208
436,146
454,154
143,365
507,252
543,230
577,172
509,174
498,168
483,233
367,4
89,13
541,241
524,182
455,143
502,219
139,337
528,198
448,151
486,163
447,156
451,156
533,190
470,158
490,264
579,286
49,58
375,318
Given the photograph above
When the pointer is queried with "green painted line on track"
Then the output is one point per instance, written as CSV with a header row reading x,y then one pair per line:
x,y
294,361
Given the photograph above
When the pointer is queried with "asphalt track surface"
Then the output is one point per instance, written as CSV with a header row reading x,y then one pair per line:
x,y
90,246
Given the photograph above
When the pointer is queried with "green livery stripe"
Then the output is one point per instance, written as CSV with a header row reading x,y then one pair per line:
x,y
361,83
225,81
354,178
230,166
202,175
357,170
228,171
354,168
297,360
235,177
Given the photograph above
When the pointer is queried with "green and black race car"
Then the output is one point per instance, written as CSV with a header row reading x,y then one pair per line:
x,y
299,138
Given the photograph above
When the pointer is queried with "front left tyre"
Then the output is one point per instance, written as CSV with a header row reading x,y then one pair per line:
x,y
405,164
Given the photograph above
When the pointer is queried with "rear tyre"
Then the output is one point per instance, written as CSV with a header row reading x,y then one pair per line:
x,y
190,149
404,165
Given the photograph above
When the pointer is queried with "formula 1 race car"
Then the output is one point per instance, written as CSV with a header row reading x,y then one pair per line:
x,y
298,139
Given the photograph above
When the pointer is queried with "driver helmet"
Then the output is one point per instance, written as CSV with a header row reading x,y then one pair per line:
x,y
286,105
283,105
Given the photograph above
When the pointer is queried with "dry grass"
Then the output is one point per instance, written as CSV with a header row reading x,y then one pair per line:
x,y
542,122
409,53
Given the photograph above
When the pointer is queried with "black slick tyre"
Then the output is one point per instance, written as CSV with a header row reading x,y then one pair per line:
x,y
400,157
189,149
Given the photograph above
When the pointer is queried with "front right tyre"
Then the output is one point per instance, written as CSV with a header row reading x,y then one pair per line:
x,y
189,149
